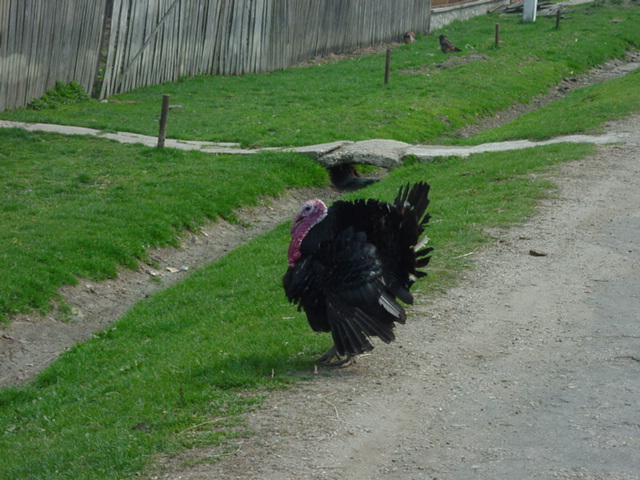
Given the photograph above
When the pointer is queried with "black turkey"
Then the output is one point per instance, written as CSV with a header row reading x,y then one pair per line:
x,y
350,264
446,46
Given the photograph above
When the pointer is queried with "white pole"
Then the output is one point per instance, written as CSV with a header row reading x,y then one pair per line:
x,y
529,10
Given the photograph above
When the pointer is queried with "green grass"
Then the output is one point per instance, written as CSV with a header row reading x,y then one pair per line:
x,y
173,372
584,110
82,207
347,100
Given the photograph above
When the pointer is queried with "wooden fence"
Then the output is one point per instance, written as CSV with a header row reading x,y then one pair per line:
x,y
44,41
156,41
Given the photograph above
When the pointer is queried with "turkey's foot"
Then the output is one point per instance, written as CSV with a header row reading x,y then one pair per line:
x,y
328,358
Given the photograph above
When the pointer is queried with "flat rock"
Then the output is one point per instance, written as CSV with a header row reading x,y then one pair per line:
x,y
380,153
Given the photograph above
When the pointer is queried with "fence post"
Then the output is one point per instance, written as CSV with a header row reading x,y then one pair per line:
x,y
163,120
387,67
497,35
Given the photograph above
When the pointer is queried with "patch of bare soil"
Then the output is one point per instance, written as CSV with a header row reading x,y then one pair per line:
x,y
449,63
336,57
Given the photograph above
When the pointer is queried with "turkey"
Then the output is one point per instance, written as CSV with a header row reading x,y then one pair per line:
x,y
446,46
349,264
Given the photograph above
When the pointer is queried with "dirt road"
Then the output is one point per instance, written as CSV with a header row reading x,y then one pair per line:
x,y
529,369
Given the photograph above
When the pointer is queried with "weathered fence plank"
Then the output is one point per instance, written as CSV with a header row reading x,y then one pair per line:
x,y
42,42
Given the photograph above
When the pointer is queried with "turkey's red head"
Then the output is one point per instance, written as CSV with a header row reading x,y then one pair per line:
x,y
311,212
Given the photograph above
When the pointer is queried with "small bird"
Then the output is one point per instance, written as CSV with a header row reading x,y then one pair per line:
x,y
409,37
446,46
349,264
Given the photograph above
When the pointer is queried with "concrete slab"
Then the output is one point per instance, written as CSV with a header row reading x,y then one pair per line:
x,y
318,151
382,153
429,152
128,137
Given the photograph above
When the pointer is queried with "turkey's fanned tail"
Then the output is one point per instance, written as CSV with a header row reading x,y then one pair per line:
x,y
416,198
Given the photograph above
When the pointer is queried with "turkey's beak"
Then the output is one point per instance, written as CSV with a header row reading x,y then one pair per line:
x,y
296,221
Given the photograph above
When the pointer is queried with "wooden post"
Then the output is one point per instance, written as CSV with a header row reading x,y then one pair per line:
x,y
387,67
497,35
163,120
558,18
529,10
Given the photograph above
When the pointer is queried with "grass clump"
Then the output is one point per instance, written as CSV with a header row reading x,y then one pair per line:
x,y
61,94
173,372
94,205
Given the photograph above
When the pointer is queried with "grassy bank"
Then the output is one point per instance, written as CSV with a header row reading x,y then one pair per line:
x,y
83,207
585,110
429,96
